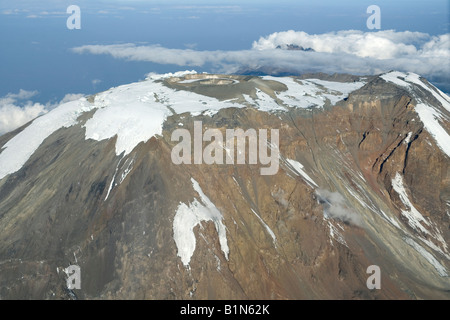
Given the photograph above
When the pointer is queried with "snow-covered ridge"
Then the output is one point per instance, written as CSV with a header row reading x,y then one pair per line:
x,y
21,147
430,118
429,115
136,112
188,216
313,92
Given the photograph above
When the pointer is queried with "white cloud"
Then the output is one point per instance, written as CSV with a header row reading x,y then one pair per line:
x,y
349,51
12,116
16,109
22,95
67,98
334,206
379,45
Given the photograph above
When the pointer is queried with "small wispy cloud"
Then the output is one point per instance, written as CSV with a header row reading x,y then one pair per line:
x,y
127,8
190,45
210,8
14,11
21,95
335,207
67,98
47,14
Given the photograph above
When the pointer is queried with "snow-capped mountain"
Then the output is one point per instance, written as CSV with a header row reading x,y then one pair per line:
x,y
362,178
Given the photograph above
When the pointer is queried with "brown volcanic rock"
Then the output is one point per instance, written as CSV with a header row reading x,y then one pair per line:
x,y
64,206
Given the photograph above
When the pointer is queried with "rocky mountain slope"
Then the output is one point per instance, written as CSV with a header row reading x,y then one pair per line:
x,y
363,179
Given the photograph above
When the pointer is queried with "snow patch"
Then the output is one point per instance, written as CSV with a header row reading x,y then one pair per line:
x,y
274,239
122,177
313,92
335,234
428,256
439,95
189,216
127,170
394,77
248,99
111,185
429,117
414,217
338,90
297,168
391,220
408,138
266,102
302,94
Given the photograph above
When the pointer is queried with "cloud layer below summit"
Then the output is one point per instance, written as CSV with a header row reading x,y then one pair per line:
x,y
348,51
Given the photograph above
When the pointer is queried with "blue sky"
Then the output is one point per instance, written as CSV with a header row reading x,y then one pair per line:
x,y
38,53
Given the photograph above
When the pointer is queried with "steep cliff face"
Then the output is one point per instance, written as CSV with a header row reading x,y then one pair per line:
x,y
363,179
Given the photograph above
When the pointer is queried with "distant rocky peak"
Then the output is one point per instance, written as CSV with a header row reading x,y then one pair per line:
x,y
294,47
